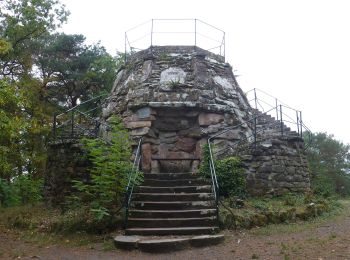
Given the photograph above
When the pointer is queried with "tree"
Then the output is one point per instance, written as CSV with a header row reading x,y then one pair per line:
x,y
73,71
21,23
23,110
329,161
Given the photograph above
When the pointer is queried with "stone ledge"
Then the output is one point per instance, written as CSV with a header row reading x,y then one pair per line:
x,y
165,244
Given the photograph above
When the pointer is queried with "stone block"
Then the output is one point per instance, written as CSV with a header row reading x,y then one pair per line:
x,y
146,157
206,119
139,131
138,124
186,144
154,166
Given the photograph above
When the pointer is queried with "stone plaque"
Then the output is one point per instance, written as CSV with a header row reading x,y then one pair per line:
x,y
143,112
172,74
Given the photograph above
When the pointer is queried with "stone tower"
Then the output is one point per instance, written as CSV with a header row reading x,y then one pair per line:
x,y
176,97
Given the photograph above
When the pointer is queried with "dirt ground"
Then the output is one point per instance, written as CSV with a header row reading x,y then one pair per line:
x,y
320,240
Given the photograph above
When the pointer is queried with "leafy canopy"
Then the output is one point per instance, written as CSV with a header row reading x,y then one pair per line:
x,y
329,161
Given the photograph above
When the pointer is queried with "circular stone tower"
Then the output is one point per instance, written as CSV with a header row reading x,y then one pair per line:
x,y
175,97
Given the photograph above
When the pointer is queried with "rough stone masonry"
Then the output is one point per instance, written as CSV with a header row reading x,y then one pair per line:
x,y
176,97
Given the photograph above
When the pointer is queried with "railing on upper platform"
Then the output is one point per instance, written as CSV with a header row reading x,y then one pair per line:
x,y
161,32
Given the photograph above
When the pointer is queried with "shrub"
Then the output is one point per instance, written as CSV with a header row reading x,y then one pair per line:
x,y
104,191
21,190
229,172
7,195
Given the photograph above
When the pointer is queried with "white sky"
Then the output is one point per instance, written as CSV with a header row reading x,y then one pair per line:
x,y
297,50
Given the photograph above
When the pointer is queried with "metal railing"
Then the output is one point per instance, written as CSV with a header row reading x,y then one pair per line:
x,y
280,126
78,121
132,178
161,32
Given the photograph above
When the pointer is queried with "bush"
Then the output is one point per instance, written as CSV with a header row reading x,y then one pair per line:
x,y
7,194
104,191
22,190
230,174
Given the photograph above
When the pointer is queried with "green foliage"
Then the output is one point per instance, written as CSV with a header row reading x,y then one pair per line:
x,y
21,24
108,174
8,197
22,190
72,70
230,174
329,162
29,190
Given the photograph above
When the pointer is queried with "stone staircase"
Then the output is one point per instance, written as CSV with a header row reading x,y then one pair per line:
x,y
268,126
172,204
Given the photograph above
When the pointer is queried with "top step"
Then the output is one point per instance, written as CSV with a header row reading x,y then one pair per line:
x,y
170,176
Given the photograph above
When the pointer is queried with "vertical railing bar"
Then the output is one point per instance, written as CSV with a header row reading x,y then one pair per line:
x,y
256,105
195,32
131,181
281,119
152,33
301,123
255,132
125,47
297,114
224,47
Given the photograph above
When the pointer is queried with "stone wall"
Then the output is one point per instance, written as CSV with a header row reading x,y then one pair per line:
x,y
277,166
176,97
66,161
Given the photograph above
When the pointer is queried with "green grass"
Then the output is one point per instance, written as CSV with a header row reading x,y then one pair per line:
x,y
338,210
42,226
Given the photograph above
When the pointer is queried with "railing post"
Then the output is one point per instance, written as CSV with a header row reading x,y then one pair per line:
x,y
255,132
301,125
152,33
72,124
54,125
276,108
297,121
224,47
256,104
281,119
195,32
125,47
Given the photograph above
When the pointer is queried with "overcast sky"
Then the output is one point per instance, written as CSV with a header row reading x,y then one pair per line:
x,y
297,50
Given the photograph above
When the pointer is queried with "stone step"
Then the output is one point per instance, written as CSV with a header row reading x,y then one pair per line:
x,y
175,189
173,183
172,231
172,205
192,213
169,176
166,244
170,222
173,196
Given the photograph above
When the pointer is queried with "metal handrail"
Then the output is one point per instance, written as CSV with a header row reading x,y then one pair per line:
x,y
83,103
131,181
148,30
76,110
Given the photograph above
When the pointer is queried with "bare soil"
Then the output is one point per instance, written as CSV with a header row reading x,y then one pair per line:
x,y
321,239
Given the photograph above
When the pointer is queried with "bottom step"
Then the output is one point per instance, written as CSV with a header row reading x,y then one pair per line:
x,y
171,231
165,244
